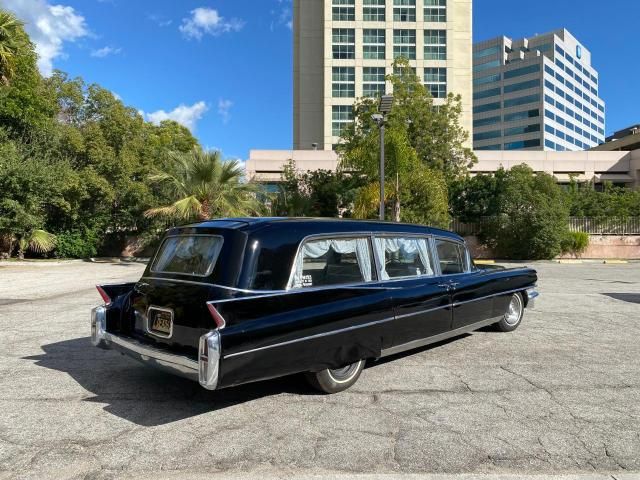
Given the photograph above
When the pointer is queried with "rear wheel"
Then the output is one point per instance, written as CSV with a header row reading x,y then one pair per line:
x,y
337,379
513,318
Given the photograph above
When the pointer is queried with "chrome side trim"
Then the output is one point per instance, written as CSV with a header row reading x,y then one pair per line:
x,y
191,282
532,294
311,337
406,315
508,292
438,338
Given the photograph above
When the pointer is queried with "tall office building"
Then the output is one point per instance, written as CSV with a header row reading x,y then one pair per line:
x,y
539,93
344,48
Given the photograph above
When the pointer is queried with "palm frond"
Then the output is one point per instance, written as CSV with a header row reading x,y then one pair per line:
x,y
41,241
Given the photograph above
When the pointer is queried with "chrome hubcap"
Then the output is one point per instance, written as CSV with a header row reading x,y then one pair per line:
x,y
514,312
344,373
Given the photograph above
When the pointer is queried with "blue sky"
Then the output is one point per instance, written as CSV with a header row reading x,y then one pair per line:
x,y
224,67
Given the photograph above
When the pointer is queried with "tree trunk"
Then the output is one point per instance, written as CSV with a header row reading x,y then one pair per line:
x,y
205,210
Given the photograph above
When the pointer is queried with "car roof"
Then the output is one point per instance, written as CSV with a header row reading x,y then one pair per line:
x,y
310,226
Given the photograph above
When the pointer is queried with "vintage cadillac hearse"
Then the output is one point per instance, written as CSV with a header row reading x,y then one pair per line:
x,y
231,301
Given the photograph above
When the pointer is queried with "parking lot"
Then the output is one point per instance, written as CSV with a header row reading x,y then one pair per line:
x,y
561,395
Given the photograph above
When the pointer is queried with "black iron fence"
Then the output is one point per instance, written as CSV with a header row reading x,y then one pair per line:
x,y
592,226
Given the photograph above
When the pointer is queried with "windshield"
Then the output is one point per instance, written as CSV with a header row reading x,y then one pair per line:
x,y
194,255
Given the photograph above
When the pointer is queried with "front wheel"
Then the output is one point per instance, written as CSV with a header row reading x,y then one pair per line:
x,y
337,379
513,318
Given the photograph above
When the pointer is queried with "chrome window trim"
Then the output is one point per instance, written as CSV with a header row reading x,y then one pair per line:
x,y
324,236
460,243
209,269
384,320
426,236
147,327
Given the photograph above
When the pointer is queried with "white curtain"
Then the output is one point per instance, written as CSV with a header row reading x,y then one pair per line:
x,y
317,248
407,246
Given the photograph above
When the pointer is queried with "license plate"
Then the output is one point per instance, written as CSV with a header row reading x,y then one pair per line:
x,y
161,322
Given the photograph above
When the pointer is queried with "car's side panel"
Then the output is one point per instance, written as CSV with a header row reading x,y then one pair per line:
x,y
422,308
472,296
280,334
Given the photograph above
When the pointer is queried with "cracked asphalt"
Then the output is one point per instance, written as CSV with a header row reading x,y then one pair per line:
x,y
560,396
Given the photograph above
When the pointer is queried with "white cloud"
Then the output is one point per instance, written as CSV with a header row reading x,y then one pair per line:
x,y
224,108
49,26
283,15
160,20
105,52
183,114
205,20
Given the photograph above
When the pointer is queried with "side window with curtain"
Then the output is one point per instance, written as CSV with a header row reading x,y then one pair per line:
x,y
452,257
404,257
333,262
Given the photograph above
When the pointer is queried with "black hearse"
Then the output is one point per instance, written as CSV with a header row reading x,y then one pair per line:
x,y
231,301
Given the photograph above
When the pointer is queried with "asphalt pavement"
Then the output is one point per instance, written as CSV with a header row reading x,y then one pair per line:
x,y
560,396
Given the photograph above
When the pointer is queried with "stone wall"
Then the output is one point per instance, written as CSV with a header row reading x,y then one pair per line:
x,y
625,247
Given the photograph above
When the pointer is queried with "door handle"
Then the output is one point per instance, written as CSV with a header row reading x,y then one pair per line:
x,y
445,285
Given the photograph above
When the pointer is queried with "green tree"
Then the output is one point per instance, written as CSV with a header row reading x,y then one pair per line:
x,y
203,186
423,143
532,216
12,42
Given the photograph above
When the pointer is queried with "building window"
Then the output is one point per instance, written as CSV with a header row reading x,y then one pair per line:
x,y
487,52
404,10
374,44
435,44
522,86
435,10
511,117
373,81
487,135
509,132
486,65
344,10
344,43
522,144
488,79
487,107
344,82
496,146
482,122
522,71
374,11
341,116
404,44
486,93
435,79
514,102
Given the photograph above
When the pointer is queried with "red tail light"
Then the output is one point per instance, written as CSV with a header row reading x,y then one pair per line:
x,y
220,321
104,295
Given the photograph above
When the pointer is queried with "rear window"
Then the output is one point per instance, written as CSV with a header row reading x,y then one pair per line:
x,y
193,255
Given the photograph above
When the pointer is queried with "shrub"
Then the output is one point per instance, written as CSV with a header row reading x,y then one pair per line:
x,y
531,219
77,244
575,243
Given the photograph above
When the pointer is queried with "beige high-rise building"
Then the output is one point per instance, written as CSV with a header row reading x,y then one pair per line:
x,y
344,48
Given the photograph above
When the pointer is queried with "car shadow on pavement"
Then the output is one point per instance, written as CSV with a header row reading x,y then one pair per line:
x,y
143,395
624,297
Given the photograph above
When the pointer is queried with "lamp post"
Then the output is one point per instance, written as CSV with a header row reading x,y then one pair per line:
x,y
386,103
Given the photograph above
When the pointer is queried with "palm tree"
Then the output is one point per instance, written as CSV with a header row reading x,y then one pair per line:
x,y
38,241
11,41
204,186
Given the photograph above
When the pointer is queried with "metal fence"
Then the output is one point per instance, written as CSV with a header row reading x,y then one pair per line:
x,y
605,226
592,226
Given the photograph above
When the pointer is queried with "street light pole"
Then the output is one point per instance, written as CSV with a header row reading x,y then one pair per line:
x,y
382,169
386,103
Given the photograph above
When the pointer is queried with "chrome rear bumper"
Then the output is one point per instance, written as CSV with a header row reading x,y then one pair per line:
x,y
205,370
532,294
